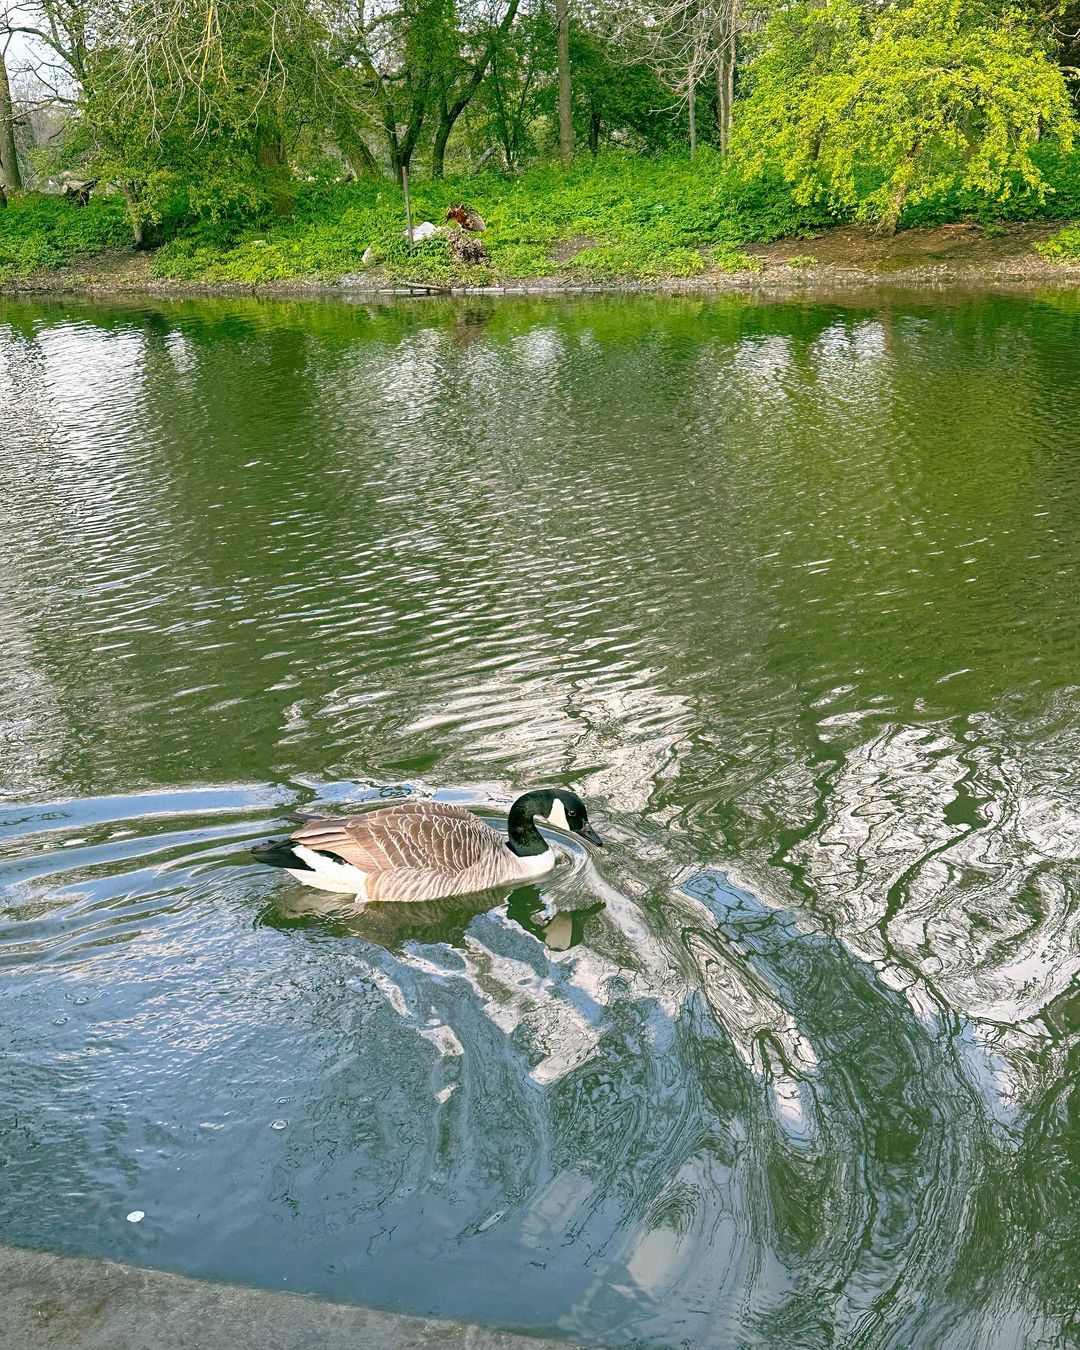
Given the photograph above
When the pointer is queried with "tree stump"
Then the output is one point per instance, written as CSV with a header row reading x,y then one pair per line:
x,y
465,250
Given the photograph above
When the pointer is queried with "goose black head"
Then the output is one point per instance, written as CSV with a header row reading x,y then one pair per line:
x,y
556,806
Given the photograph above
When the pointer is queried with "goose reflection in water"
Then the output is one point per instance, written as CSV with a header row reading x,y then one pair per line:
x,y
391,926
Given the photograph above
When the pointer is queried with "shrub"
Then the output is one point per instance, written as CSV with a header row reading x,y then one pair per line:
x,y
877,110
1063,246
39,231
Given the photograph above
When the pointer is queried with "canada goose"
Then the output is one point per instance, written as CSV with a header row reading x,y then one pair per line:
x,y
426,850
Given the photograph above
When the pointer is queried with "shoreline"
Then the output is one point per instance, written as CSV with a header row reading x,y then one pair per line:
x,y
83,1303
845,261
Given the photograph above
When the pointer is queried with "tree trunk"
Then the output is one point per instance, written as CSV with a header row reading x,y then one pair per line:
x,y
566,120
135,216
462,94
354,149
270,149
443,128
692,101
401,161
408,203
392,141
594,134
270,157
725,83
403,146
10,178
360,159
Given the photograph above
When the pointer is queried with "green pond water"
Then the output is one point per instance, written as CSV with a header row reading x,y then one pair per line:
x,y
788,592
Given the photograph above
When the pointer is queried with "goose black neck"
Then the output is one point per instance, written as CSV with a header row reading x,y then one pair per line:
x,y
525,839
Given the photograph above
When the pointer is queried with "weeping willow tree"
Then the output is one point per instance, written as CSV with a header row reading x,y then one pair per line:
x,y
202,100
876,111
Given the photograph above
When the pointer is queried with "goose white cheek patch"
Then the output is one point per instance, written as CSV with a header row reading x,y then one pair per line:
x,y
557,816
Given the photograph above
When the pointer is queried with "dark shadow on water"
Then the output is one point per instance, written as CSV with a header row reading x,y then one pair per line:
x,y
434,921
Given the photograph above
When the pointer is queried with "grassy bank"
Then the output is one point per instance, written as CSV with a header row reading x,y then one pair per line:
x,y
619,218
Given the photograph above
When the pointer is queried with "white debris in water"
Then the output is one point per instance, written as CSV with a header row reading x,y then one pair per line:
x,y
390,992
278,1124
442,1038
136,1216
444,1095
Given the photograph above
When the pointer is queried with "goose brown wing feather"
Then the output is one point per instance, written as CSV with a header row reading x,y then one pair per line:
x,y
423,837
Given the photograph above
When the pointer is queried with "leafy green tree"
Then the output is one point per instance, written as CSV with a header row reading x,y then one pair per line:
x,y
616,95
469,61
874,111
511,101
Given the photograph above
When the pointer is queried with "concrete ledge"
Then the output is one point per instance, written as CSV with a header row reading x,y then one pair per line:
x,y
71,1303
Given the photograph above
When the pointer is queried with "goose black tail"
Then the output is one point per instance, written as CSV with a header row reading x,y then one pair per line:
x,y
279,853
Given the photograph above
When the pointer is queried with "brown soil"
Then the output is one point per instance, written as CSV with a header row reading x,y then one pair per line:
x,y
965,242
948,257
565,249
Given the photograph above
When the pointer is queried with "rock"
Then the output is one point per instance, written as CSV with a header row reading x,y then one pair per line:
x,y
368,256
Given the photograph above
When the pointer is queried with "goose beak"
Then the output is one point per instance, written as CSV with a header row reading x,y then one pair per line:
x,y
589,834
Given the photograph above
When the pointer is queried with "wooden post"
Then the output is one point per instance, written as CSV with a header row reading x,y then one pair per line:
x,y
408,207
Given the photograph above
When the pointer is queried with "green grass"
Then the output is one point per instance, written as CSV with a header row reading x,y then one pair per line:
x,y
621,217
40,232
618,218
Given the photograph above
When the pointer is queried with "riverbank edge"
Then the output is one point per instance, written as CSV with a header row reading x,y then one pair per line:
x,y
79,1303
811,283
949,258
